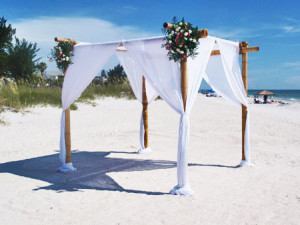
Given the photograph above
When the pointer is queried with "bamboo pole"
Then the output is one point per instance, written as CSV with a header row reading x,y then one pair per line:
x,y
202,33
184,81
67,112
244,108
145,114
68,132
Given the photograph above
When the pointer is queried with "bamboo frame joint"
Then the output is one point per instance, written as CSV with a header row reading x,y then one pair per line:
x,y
202,33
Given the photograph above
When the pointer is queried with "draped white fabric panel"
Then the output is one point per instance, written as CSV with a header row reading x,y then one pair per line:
x,y
164,76
87,61
224,76
135,77
159,71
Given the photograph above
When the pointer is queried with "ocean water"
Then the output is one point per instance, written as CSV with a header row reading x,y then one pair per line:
x,y
285,95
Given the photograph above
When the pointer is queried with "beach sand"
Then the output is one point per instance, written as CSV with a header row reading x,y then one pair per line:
x,y
115,186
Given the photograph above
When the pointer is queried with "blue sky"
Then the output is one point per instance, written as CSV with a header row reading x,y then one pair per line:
x,y
272,25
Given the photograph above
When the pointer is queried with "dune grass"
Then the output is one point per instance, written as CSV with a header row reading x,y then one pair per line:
x,y
19,97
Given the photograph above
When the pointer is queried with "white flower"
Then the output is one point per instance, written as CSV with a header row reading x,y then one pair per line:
x,y
186,46
195,40
179,28
190,31
172,51
182,30
63,59
185,33
182,52
63,55
172,32
67,58
170,41
178,50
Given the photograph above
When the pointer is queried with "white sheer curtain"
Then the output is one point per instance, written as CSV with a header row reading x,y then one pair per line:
x,y
164,76
87,61
224,76
135,77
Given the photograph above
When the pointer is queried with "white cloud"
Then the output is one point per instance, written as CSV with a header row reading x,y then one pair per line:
x,y
235,34
290,19
288,28
294,65
295,80
43,30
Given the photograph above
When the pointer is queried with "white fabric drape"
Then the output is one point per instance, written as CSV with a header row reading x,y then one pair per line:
x,y
224,76
87,61
164,76
135,77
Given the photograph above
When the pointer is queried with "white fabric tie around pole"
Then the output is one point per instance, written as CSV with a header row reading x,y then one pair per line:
x,y
223,74
135,77
164,76
87,61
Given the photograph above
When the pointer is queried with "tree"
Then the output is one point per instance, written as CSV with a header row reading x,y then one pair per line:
x,y
103,74
116,75
6,36
22,59
42,67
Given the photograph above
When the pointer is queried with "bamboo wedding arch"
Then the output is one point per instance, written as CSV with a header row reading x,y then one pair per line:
x,y
244,49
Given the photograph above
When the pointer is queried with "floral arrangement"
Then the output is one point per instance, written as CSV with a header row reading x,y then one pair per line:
x,y
181,40
62,53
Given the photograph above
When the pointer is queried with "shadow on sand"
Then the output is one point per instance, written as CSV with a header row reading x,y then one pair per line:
x,y
92,169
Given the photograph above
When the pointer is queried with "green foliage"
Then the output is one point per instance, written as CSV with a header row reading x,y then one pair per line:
x,y
62,53
42,66
103,73
24,95
181,41
116,75
22,59
6,36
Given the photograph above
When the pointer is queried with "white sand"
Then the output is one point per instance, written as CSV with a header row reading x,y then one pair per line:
x,y
114,186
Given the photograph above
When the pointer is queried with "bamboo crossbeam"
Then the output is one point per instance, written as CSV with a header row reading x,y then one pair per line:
x,y
249,49
202,33
215,52
145,115
242,50
58,39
